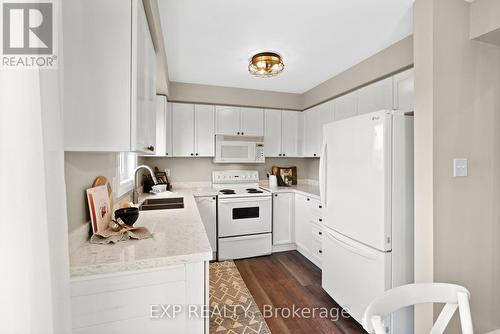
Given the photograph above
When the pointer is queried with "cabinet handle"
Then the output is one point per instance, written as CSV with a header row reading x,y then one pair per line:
x,y
150,148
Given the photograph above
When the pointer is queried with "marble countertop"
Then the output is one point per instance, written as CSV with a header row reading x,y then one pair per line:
x,y
178,237
306,189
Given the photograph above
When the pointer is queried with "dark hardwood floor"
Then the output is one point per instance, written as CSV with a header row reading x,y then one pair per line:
x,y
285,279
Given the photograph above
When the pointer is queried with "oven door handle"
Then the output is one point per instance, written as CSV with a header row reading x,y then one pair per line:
x,y
244,200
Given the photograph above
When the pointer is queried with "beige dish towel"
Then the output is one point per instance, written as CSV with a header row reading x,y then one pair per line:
x,y
125,233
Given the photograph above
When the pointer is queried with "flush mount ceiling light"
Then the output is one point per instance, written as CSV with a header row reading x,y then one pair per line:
x,y
266,64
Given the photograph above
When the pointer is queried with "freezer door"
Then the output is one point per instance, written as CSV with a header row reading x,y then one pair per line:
x,y
353,274
358,178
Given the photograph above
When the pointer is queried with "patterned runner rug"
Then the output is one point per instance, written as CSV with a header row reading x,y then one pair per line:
x,y
233,309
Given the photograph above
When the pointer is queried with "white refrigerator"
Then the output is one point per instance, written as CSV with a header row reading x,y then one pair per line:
x,y
366,186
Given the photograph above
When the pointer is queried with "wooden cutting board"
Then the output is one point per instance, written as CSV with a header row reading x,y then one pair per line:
x,y
103,181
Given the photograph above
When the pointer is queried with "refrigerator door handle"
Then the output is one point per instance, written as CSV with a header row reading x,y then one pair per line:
x,y
353,249
322,174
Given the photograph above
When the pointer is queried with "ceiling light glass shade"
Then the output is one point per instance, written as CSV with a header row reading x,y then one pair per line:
x,y
266,64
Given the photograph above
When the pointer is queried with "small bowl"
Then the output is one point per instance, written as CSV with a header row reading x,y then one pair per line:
x,y
128,215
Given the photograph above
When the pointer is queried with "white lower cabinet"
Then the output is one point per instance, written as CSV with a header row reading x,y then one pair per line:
x,y
130,302
283,219
309,227
207,206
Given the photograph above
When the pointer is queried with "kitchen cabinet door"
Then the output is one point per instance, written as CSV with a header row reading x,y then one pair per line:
x,y
183,129
168,130
207,208
302,224
283,218
143,86
272,134
290,134
312,135
404,90
345,106
204,130
227,120
252,122
161,128
374,97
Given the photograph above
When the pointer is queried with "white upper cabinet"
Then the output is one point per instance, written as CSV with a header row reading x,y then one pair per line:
x,y
109,102
183,130
161,125
238,121
314,119
272,134
204,116
193,130
291,139
377,96
404,90
168,130
252,122
346,106
228,120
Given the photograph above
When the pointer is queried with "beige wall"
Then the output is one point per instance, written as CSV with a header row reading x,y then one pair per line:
x,y
395,58
458,81
200,169
485,21
194,93
80,170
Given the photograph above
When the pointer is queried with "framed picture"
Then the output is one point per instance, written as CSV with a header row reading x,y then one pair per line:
x,y
286,176
99,207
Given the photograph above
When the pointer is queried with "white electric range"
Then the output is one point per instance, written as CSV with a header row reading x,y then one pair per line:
x,y
244,215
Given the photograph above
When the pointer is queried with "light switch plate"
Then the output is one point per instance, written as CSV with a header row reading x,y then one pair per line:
x,y
167,171
459,167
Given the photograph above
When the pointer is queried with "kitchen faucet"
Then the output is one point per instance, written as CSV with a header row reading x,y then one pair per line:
x,y
135,196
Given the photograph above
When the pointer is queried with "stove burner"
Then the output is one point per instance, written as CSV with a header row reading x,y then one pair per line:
x,y
227,191
254,191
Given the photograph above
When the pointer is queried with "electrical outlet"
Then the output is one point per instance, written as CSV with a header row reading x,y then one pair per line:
x,y
167,171
460,167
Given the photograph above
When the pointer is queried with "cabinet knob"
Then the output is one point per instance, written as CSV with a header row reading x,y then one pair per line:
x,y
213,198
238,133
196,154
320,233
192,154
279,155
320,251
242,133
150,148
166,153
283,154
308,199
320,219
275,195
314,154
320,206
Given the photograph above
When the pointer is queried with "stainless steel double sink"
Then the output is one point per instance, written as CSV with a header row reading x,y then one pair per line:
x,y
162,203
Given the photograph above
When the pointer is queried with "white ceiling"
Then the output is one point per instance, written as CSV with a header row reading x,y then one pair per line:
x,y
210,41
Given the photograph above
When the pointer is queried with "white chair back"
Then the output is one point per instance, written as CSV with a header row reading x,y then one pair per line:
x,y
453,296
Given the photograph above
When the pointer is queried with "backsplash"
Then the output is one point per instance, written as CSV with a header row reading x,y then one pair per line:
x,y
200,169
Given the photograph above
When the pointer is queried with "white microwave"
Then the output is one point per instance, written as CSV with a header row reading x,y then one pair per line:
x,y
237,149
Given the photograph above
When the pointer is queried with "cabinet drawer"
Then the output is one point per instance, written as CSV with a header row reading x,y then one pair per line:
x,y
315,207
317,231
317,247
106,307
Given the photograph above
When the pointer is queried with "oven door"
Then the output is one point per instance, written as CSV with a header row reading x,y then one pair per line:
x,y
243,216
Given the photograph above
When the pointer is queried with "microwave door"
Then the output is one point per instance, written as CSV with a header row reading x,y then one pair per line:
x,y
236,152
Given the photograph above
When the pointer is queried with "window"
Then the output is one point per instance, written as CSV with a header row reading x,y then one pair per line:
x,y
126,163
